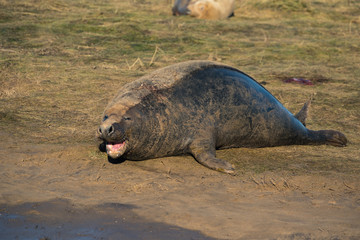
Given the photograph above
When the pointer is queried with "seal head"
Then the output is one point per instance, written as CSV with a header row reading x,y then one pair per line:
x,y
115,131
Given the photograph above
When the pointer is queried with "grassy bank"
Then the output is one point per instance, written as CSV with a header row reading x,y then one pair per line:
x,y
61,61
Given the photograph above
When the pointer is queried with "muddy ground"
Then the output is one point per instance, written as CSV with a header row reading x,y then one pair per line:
x,y
57,192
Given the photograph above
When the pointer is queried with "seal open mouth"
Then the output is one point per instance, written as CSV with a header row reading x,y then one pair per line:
x,y
115,150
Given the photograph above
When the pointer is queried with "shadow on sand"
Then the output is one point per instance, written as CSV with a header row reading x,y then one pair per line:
x,y
60,219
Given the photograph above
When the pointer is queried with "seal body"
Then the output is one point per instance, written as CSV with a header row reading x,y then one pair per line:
x,y
212,9
180,7
197,107
205,9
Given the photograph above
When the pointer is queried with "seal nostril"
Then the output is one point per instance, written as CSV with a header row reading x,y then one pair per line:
x,y
110,130
99,130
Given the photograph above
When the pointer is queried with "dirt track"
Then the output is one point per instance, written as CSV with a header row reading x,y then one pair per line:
x,y
54,192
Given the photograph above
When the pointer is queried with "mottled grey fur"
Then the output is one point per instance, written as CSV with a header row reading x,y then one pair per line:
x,y
197,107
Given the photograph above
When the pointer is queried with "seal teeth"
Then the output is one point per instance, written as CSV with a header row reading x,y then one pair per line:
x,y
115,150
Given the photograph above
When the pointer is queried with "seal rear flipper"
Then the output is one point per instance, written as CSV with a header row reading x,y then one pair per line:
x,y
303,113
329,137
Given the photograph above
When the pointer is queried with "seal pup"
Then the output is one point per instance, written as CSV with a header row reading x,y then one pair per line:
x,y
205,9
212,9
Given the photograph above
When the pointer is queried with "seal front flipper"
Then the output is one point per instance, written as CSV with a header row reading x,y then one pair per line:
x,y
205,155
209,160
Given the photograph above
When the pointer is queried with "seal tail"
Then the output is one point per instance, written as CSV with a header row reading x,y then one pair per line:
x,y
329,137
303,113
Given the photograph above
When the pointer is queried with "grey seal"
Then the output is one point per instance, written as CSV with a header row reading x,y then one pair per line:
x,y
196,107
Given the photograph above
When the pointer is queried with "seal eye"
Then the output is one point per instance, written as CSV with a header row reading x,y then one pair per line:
x,y
105,117
127,118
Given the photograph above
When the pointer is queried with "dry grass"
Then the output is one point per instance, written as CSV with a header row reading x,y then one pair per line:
x,y
62,60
